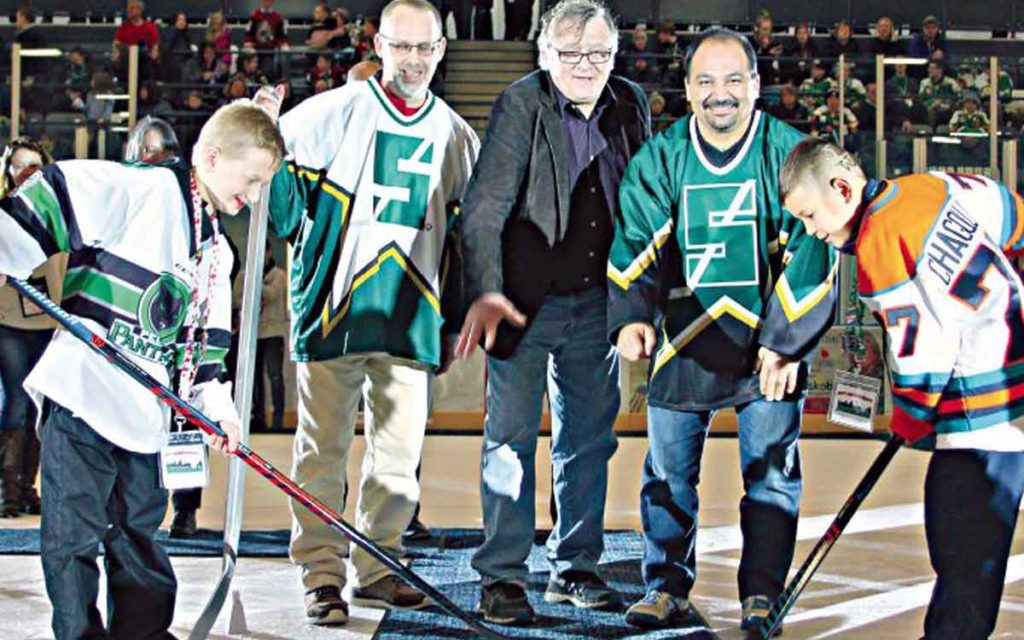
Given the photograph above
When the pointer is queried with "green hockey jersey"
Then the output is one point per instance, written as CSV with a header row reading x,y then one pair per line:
x,y
709,256
368,201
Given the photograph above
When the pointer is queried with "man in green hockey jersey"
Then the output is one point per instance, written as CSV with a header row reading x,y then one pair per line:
x,y
717,284
367,202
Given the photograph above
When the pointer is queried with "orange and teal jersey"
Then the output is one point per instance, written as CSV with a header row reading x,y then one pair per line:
x,y
934,266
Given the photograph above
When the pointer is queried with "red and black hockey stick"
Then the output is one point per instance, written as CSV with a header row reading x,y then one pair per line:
x,y
788,597
250,457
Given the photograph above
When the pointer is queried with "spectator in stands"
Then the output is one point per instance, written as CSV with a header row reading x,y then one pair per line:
x,y
841,42
153,141
218,33
249,66
853,89
789,107
151,101
34,71
660,120
177,48
800,54
326,70
206,68
76,80
365,49
273,328
136,29
321,85
669,54
324,24
865,109
886,42
767,48
930,43
24,333
832,119
266,34
940,93
25,32
98,110
341,38
815,88
969,119
638,63
901,105
236,87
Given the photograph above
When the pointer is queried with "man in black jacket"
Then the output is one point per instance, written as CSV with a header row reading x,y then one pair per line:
x,y
537,227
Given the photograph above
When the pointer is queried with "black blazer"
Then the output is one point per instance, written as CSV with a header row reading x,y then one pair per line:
x,y
517,203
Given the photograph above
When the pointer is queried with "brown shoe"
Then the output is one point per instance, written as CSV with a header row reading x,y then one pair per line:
x,y
390,592
324,606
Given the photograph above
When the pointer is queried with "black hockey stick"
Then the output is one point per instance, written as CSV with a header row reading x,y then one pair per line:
x,y
250,457
788,597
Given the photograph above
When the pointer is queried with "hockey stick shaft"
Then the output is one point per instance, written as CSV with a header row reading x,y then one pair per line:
x,y
247,455
788,597
252,290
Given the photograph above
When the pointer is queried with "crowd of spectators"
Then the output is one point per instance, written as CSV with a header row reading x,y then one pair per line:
x,y
800,83
185,71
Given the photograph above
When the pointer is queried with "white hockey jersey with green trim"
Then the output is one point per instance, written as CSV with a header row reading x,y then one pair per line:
x,y
368,202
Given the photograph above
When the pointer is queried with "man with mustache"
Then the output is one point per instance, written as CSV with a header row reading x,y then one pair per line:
x,y
715,282
368,202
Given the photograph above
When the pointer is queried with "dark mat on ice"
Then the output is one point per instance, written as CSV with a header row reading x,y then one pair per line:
x,y
207,542
444,561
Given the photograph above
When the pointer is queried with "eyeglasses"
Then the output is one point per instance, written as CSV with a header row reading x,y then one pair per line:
x,y
423,49
576,57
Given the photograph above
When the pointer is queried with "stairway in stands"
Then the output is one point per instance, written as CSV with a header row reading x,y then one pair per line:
x,y
477,72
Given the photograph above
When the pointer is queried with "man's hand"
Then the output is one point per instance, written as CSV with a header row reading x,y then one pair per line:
x,y
483,319
3,279
637,341
778,374
229,445
269,99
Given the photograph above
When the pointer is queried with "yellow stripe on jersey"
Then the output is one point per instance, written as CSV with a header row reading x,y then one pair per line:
x,y
329,320
796,309
724,306
642,261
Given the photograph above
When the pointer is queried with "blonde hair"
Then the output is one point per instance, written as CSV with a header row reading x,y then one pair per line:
x,y
240,126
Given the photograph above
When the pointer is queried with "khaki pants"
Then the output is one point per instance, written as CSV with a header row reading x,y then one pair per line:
x,y
395,393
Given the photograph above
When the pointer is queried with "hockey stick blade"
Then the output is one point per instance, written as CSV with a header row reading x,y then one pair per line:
x,y
788,597
206,620
247,455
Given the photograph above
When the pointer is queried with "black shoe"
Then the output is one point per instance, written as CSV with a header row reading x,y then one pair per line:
x,y
10,511
582,589
325,606
33,508
183,525
416,531
755,616
505,603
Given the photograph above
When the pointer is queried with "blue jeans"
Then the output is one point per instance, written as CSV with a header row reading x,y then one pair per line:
x,y
20,350
769,509
566,348
970,510
94,491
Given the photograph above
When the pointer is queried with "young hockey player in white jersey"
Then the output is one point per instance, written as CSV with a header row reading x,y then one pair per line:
x,y
148,268
367,201
934,266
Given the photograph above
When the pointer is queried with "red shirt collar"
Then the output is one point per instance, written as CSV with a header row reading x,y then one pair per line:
x,y
400,103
